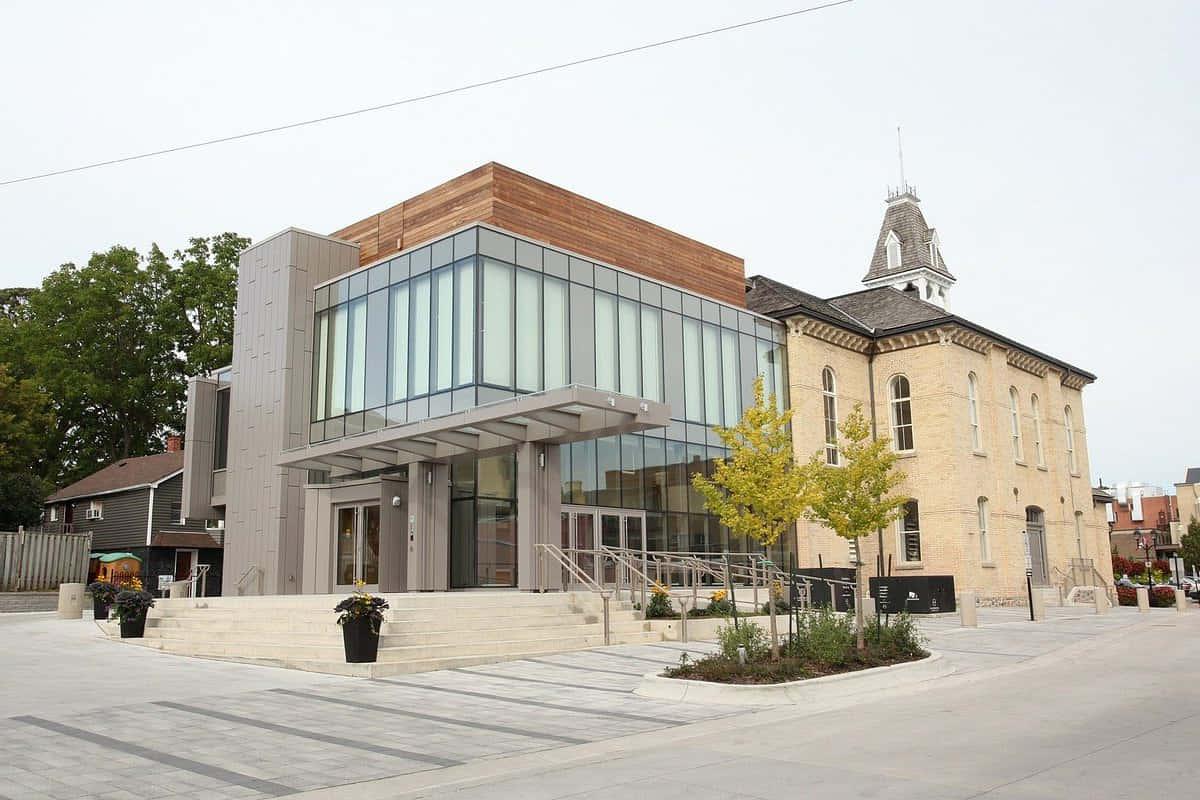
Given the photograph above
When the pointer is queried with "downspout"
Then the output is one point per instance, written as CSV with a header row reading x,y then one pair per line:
x,y
150,517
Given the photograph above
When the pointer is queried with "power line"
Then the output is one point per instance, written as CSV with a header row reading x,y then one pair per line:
x,y
418,98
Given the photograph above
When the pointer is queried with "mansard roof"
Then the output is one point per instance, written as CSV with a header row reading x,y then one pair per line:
x,y
904,218
875,314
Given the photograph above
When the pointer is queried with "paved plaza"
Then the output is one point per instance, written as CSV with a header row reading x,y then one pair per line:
x,y
1065,707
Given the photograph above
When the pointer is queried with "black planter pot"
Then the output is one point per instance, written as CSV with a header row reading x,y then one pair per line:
x,y
362,642
99,609
133,628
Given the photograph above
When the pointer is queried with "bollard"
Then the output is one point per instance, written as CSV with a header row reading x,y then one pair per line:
x,y
1180,600
1038,609
1100,598
742,654
70,601
967,612
1143,598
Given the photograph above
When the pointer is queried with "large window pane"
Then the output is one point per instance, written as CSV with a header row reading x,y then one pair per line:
x,y
358,355
583,336
712,374
418,360
337,363
632,467
629,366
583,471
651,353
497,334
693,387
606,341
464,335
730,378
554,299
377,343
673,363
677,476
496,543
608,470
320,366
777,377
398,389
497,476
697,465
443,350
462,543
529,331
656,474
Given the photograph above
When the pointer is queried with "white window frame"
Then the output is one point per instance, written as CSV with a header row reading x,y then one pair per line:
x,y
1036,408
896,402
1068,424
973,412
95,509
1079,542
985,543
54,513
220,526
892,247
902,535
829,413
1014,403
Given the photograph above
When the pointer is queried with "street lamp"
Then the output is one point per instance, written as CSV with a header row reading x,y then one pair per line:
x,y
1146,541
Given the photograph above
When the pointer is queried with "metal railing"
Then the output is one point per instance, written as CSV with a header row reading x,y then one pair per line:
x,y
1082,573
573,569
252,569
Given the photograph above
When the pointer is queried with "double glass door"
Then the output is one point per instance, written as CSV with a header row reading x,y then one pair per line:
x,y
588,529
358,545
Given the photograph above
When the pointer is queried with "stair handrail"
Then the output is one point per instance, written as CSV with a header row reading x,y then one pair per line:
x,y
252,568
568,563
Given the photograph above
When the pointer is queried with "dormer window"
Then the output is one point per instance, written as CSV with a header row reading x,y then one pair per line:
x,y
893,250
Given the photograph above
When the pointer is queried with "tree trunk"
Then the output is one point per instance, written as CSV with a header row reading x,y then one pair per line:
x,y
774,628
858,603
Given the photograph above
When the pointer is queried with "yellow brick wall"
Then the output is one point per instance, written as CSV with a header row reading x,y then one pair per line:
x,y
944,474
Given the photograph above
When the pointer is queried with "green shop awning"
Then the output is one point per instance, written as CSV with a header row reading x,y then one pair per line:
x,y
109,557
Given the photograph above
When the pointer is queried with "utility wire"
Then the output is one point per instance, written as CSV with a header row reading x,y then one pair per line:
x,y
418,98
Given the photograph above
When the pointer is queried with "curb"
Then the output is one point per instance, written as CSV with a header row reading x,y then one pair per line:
x,y
679,690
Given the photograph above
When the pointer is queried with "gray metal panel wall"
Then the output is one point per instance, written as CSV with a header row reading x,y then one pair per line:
x,y
123,525
198,452
269,403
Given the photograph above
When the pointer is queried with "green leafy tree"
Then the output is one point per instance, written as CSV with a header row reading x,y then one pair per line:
x,y
757,491
855,498
203,296
1190,544
24,418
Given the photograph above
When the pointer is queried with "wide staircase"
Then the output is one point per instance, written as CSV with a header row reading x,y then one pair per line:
x,y
421,632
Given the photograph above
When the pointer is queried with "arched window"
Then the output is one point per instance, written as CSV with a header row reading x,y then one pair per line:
x,y
1069,425
893,250
1014,412
985,546
902,424
973,411
829,396
1036,408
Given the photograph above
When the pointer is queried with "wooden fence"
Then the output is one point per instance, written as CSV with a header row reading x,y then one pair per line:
x,y
39,562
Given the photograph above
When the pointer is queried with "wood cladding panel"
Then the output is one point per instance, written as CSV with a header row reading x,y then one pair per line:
x,y
508,199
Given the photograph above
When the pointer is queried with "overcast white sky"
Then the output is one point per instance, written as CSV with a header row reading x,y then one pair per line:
x,y
1054,145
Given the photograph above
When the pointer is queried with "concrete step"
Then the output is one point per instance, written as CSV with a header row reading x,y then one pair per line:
x,y
333,636
319,615
415,600
328,623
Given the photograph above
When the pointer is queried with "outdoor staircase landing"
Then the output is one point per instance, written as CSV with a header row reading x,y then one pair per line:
x,y
421,632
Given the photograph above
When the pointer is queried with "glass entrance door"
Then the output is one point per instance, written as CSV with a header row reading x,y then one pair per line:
x,y
588,529
358,545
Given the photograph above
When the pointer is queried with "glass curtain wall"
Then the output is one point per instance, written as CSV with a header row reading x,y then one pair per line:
x,y
481,316
483,522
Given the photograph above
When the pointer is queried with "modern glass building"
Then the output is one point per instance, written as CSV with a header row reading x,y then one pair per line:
x,y
476,393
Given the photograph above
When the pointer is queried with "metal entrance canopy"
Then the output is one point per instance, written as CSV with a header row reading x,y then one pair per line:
x,y
555,416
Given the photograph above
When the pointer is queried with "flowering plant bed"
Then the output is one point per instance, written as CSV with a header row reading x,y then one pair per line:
x,y
824,644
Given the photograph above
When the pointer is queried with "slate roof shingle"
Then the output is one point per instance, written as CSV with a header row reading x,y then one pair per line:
x,y
905,218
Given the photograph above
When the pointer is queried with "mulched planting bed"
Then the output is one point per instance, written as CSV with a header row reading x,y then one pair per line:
x,y
719,669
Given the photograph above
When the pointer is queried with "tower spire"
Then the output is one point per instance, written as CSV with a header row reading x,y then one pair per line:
x,y
900,153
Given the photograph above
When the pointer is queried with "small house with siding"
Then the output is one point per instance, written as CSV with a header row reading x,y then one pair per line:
x,y
133,507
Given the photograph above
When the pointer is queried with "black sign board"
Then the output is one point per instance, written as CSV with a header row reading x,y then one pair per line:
x,y
840,594
917,594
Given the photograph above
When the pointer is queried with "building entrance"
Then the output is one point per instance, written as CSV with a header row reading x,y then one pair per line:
x,y
358,545
1035,529
585,528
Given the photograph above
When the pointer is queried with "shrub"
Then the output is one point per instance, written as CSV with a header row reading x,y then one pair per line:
x,y
102,592
1135,568
900,639
718,604
1126,596
749,635
362,605
1162,597
823,636
132,604
659,604
1160,565
1120,565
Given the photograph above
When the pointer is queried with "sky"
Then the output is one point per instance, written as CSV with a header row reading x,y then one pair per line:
x,y
1053,145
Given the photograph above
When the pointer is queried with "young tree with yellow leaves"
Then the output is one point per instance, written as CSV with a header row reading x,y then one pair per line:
x,y
757,491
853,498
